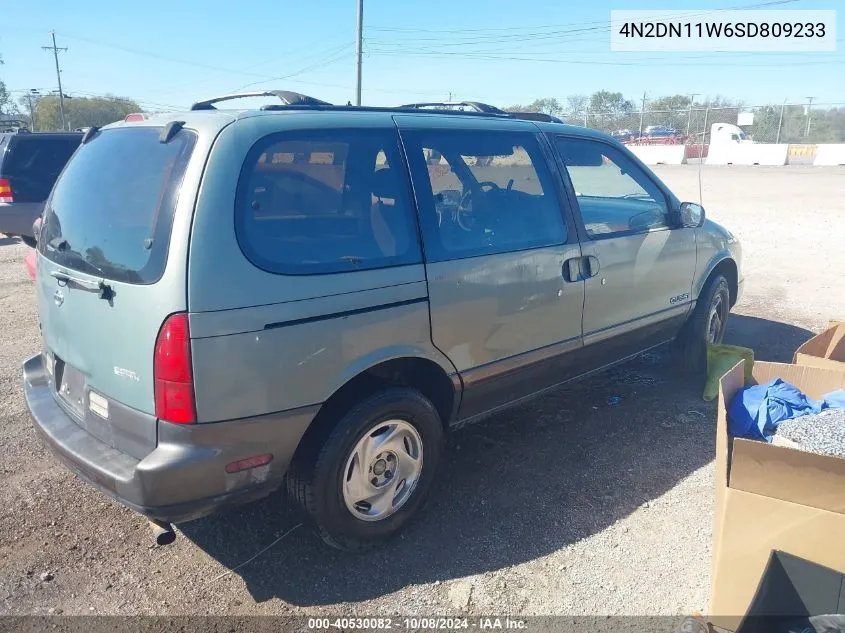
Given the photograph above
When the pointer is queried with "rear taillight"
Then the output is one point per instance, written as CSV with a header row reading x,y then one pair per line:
x,y
172,374
135,116
6,191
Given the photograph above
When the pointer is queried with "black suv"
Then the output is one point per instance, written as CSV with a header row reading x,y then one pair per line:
x,y
29,166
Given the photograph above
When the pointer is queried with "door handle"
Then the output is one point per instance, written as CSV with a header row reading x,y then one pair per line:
x,y
580,268
572,270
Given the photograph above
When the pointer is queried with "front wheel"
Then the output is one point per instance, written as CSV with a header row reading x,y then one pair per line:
x,y
374,470
706,326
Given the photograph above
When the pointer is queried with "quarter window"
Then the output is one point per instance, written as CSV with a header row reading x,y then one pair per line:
x,y
614,195
326,202
481,193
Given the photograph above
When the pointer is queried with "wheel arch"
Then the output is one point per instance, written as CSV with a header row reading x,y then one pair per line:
x,y
371,375
721,264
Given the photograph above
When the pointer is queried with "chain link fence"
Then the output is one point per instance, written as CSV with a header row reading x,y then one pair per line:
x,y
786,123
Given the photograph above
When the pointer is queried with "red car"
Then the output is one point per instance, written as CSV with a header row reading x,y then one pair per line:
x,y
29,260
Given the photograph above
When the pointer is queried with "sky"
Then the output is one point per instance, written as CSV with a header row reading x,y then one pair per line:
x,y
166,55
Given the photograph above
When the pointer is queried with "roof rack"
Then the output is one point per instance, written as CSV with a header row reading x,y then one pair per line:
x,y
285,96
484,108
477,106
536,116
296,101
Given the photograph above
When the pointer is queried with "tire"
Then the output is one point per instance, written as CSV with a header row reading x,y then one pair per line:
x,y
355,461
701,330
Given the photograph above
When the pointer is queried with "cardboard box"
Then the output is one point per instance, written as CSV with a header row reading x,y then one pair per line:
x,y
771,498
826,350
793,589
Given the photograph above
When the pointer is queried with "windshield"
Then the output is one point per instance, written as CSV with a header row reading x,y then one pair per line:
x,y
111,210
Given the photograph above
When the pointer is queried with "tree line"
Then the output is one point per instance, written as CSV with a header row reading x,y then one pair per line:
x,y
611,112
43,113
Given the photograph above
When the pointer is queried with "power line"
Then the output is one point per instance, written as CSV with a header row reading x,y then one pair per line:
x,y
711,55
588,27
334,56
264,78
160,57
56,50
555,26
403,46
299,56
475,56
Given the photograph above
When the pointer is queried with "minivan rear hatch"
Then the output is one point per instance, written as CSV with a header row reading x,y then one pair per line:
x,y
101,285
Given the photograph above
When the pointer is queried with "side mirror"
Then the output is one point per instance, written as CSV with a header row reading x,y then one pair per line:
x,y
692,215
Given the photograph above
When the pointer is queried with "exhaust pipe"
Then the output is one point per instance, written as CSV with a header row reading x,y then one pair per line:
x,y
162,532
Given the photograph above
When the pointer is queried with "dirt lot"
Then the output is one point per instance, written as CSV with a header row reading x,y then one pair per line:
x,y
570,505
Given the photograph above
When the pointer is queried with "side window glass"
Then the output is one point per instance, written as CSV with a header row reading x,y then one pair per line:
x,y
325,202
483,193
615,196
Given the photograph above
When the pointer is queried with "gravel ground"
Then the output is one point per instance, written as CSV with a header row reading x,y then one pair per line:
x,y
823,433
569,505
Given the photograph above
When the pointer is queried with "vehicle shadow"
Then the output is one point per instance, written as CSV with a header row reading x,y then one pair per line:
x,y
515,487
6,240
771,340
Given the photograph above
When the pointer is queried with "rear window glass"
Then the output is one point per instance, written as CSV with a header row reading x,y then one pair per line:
x,y
33,162
111,211
326,202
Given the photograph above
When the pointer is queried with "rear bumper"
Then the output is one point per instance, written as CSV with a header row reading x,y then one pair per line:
x,y
184,478
16,218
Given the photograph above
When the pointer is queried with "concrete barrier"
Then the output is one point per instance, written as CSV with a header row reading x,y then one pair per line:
x,y
830,155
747,154
801,154
659,154
695,150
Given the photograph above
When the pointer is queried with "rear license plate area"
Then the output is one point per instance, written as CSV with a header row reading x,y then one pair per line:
x,y
70,386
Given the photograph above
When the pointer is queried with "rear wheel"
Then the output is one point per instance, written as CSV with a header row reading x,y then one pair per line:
x,y
706,326
373,471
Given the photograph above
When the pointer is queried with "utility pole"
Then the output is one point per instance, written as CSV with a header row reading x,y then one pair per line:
x,y
780,120
809,114
689,115
56,50
642,114
358,47
33,92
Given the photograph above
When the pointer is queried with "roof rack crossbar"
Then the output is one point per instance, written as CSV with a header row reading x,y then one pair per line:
x,y
287,97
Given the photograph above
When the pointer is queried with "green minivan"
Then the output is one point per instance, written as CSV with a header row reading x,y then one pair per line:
x,y
307,296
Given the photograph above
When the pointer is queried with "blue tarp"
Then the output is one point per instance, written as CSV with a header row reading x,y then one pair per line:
x,y
756,411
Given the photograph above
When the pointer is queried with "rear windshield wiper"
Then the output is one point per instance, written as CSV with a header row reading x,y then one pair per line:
x,y
100,286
